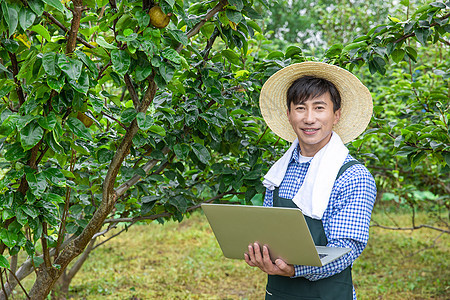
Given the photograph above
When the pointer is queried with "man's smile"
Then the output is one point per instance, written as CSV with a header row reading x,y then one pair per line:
x,y
310,130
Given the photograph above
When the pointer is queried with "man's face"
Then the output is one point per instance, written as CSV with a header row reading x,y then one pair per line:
x,y
313,122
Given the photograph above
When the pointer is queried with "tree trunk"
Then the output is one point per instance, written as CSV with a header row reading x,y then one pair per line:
x,y
61,289
47,275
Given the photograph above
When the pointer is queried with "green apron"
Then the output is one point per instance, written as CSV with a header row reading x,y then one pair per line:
x,y
338,286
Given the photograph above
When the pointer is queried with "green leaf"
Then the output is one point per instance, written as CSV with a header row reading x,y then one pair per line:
x,y
293,50
4,263
422,35
231,56
30,135
253,15
201,152
127,38
181,151
103,43
128,115
88,62
56,83
275,54
10,16
37,6
10,45
447,158
236,3
121,61
48,122
179,35
158,130
143,18
180,202
71,67
166,71
26,71
15,152
148,202
412,53
82,84
8,238
52,141
26,18
143,70
31,211
398,55
334,50
378,64
354,46
56,4
234,16
77,127
416,158
53,198
49,63
42,31
144,122
37,183
55,176
4,69
171,55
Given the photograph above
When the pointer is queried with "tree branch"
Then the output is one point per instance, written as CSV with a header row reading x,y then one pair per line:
x,y
134,96
147,167
45,250
75,26
202,22
80,261
154,217
15,69
62,228
65,29
112,118
413,34
26,269
411,228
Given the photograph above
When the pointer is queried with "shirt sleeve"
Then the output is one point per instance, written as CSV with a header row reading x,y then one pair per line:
x,y
346,221
268,198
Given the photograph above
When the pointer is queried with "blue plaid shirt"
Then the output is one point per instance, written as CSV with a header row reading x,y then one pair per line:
x,y
346,219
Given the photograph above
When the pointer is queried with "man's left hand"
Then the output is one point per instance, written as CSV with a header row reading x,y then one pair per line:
x,y
261,259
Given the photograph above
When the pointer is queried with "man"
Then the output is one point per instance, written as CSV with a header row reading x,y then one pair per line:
x,y
319,107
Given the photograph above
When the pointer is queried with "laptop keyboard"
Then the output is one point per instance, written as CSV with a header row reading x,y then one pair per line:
x,y
322,255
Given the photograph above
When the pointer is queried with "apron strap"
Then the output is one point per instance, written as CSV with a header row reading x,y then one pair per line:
x,y
346,166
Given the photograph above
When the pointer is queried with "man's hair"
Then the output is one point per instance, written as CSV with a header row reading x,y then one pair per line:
x,y
309,87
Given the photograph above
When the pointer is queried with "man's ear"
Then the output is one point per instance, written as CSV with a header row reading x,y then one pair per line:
x,y
337,116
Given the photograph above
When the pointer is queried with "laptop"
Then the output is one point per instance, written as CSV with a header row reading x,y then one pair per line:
x,y
283,230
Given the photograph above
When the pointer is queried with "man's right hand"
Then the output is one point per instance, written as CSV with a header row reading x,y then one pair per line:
x,y
261,259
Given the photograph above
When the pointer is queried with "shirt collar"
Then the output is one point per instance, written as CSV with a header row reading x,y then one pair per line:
x,y
296,156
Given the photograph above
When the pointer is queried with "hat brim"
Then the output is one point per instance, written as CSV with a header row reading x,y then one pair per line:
x,y
356,100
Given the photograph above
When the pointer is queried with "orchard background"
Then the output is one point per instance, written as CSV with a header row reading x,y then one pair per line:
x,y
111,116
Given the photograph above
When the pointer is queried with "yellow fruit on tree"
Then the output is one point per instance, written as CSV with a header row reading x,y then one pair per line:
x,y
84,119
158,18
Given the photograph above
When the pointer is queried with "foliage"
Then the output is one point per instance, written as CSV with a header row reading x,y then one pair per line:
x,y
105,116
317,24
409,143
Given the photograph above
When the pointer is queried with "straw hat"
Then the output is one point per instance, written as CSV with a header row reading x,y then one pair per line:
x,y
356,101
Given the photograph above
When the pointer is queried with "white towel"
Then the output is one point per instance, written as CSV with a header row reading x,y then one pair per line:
x,y
314,194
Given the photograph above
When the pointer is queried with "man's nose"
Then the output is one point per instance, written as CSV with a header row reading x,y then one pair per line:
x,y
309,116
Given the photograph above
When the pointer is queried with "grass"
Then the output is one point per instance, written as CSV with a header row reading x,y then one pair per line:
x,y
184,261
